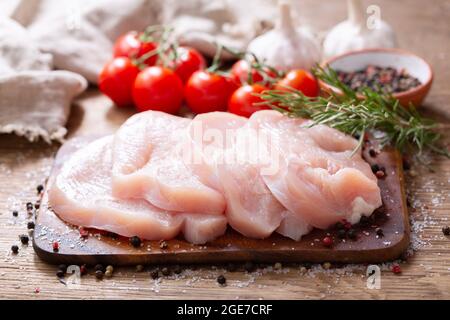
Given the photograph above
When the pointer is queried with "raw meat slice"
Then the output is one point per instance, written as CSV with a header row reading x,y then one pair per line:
x,y
202,228
81,195
293,226
148,164
228,163
317,177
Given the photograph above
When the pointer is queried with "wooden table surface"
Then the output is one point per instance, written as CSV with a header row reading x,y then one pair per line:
x,y
424,29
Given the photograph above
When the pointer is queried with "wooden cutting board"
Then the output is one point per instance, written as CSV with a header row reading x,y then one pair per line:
x,y
99,247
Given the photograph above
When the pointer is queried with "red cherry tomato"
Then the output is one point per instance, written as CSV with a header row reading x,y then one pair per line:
x,y
239,73
116,80
188,61
300,80
207,92
243,100
158,88
129,45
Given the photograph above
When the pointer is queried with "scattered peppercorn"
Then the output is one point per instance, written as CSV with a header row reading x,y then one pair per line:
x,y
165,271
30,225
15,213
37,205
375,168
380,174
341,234
446,230
364,221
55,246
154,274
24,238
327,241
40,188
396,269
249,266
372,153
339,225
83,270
99,274
83,232
379,232
135,241
221,280
60,273
108,273
99,267
29,206
326,265
110,268
163,245
62,267
352,234
14,249
177,269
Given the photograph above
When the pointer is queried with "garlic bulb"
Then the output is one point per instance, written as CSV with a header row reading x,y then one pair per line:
x,y
355,33
286,47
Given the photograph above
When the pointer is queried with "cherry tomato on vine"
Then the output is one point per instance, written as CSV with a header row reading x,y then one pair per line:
x,y
130,45
207,92
300,80
116,80
158,88
188,61
239,73
243,100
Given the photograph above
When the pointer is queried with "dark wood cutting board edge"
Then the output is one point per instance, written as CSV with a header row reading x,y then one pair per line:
x,y
232,247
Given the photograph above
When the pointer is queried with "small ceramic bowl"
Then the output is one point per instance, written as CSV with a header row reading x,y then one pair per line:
x,y
395,58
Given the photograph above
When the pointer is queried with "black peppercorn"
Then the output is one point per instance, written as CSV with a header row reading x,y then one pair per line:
x,y
406,164
177,269
30,225
379,232
40,188
165,271
446,230
154,274
307,265
352,234
135,241
62,267
249,266
372,153
339,225
375,168
60,273
364,221
37,205
99,274
341,234
24,238
14,249
99,267
15,213
221,280
29,206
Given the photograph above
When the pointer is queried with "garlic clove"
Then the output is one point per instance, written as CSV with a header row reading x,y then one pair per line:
x,y
286,47
354,34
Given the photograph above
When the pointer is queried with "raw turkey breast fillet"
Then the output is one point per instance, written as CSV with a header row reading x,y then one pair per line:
x,y
162,175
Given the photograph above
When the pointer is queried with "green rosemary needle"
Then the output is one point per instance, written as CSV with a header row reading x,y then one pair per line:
x,y
401,127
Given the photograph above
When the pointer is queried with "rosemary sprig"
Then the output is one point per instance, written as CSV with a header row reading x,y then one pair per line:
x,y
402,127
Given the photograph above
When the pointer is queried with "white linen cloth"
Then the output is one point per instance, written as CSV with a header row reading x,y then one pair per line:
x,y
38,36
